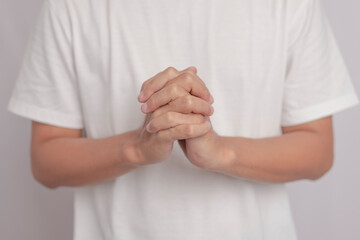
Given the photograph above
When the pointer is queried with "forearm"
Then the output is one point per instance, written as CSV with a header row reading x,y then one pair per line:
x,y
292,156
82,161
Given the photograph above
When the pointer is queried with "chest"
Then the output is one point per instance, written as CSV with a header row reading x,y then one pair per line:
x,y
237,46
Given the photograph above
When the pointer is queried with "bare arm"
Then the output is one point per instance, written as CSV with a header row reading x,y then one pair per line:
x,y
303,152
61,157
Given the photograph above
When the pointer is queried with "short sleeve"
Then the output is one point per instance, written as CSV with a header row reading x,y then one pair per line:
x,y
46,87
317,82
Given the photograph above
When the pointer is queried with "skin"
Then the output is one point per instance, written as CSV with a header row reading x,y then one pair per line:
x,y
304,151
178,107
61,157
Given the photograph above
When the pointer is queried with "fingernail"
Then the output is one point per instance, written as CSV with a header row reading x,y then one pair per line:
x,y
144,107
211,99
148,127
141,95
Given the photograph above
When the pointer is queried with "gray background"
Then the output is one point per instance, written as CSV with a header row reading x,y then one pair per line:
x,y
324,209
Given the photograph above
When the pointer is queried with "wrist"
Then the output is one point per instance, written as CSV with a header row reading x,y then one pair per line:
x,y
226,155
131,154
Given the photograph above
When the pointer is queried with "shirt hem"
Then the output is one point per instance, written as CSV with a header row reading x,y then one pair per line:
x,y
319,110
43,115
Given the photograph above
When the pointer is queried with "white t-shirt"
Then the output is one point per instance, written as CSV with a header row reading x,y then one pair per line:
x,y
267,63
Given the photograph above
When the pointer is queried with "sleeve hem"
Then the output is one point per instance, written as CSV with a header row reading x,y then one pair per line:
x,y
319,111
44,115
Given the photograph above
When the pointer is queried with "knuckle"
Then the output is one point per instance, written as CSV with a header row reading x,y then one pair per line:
x,y
188,130
170,117
188,101
174,89
171,71
187,77
189,71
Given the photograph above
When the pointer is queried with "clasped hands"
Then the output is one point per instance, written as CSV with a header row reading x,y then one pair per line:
x,y
177,105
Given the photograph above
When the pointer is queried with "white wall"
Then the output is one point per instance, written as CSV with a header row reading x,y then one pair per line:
x,y
325,209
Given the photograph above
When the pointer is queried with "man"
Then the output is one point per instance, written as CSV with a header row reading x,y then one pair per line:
x,y
247,89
